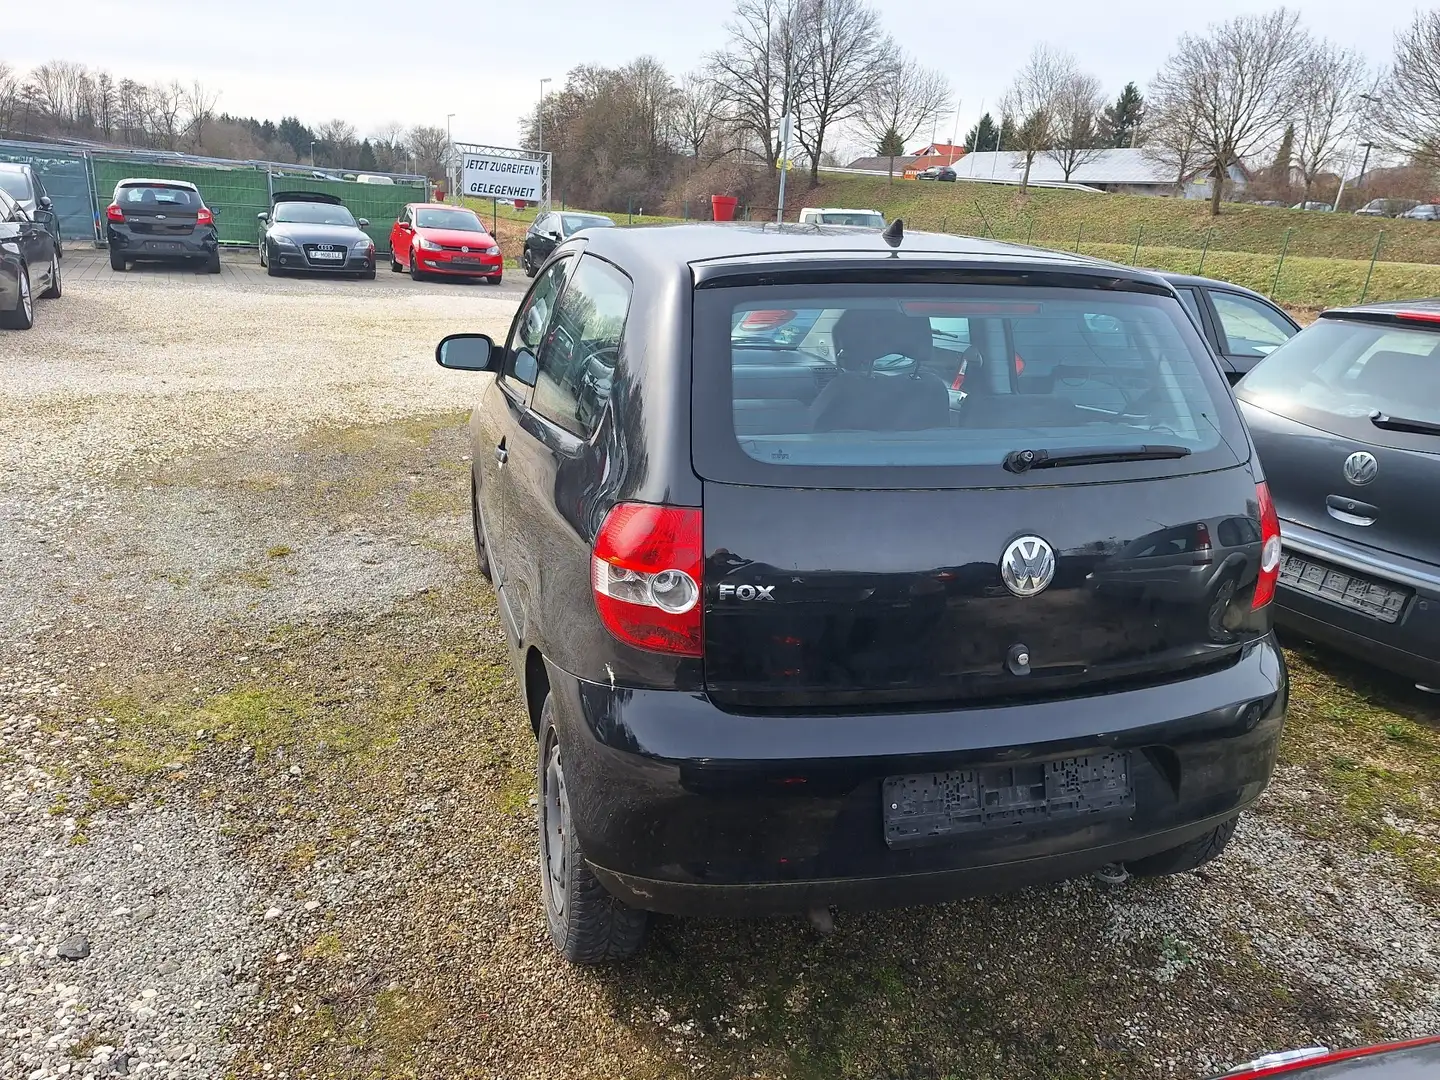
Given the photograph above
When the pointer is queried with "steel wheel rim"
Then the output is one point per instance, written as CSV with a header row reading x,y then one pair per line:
x,y
554,806
54,270
27,304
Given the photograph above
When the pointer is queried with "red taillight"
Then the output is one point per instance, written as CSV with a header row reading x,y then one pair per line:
x,y
114,213
959,378
1019,365
1419,316
1269,548
204,217
646,575
766,320
1204,551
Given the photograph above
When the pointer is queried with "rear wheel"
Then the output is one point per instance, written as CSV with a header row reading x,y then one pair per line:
x,y
117,261
53,292
587,924
212,264
22,316
1186,857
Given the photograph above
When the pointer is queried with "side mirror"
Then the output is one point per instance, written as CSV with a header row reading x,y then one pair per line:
x,y
467,352
403,226
364,223
262,216
45,203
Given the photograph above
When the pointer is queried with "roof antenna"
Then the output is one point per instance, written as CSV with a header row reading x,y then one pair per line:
x,y
894,232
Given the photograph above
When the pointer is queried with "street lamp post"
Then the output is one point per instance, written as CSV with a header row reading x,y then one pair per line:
x,y
450,165
312,152
1369,99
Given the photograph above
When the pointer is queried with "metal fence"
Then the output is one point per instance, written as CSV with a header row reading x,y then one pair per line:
x,y
81,182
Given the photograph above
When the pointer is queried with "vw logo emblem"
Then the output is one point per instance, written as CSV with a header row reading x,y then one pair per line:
x,y
1028,566
464,249
1361,467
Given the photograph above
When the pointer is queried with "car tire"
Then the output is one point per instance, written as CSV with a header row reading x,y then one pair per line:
x,y
368,275
117,261
416,274
1186,857
395,266
477,531
494,279
22,316
212,264
53,292
527,263
587,923
270,268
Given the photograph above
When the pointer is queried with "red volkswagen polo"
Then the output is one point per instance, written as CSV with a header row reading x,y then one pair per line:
x,y
435,238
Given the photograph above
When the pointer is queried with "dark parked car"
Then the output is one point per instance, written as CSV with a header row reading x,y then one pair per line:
x,y
1346,418
1423,212
799,624
1242,326
1414,1059
936,172
160,221
551,229
29,265
313,231
23,184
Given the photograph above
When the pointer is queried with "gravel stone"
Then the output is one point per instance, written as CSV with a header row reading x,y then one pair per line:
x,y
73,948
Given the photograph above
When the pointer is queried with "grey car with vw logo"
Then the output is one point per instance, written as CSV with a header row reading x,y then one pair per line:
x,y
963,586
1346,417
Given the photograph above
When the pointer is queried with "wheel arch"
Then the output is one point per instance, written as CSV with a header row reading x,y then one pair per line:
x,y
537,687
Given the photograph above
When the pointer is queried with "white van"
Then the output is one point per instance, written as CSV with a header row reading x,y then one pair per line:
x,y
833,215
370,178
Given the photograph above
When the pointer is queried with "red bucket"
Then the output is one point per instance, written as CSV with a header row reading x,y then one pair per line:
x,y
723,207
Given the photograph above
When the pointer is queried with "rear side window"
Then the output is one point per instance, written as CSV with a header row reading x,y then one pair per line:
x,y
1251,328
15,184
577,359
949,380
142,195
1336,374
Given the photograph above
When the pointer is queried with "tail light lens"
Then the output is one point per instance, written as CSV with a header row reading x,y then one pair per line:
x,y
766,320
646,574
204,217
1204,550
114,213
1269,549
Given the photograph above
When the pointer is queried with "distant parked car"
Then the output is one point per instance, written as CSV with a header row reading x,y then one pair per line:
x,y
314,231
1346,419
835,215
1273,203
436,238
936,172
29,264
23,184
160,221
1386,207
371,178
1312,205
551,229
1241,326
1423,212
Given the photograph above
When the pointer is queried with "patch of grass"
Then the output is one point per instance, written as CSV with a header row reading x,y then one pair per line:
x,y
327,946
1379,754
279,551
256,579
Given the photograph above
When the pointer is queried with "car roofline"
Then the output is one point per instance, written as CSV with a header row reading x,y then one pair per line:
x,y
134,181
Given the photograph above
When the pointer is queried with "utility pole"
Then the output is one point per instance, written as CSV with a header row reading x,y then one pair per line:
x,y
450,169
784,150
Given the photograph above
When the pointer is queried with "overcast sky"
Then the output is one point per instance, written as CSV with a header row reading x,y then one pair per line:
x,y
370,62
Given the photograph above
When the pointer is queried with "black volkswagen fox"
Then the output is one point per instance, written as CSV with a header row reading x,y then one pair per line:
x,y
160,221
842,617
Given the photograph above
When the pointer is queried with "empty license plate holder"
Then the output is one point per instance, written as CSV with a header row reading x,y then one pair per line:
x,y
926,807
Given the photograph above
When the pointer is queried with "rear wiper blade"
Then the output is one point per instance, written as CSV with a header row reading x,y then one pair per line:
x,y
1019,461
1400,423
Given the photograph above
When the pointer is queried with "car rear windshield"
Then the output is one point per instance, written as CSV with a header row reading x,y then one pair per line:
x,y
15,184
313,213
140,196
576,222
895,380
455,220
1337,374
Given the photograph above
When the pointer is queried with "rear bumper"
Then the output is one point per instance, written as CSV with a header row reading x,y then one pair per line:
x,y
683,808
200,244
1409,647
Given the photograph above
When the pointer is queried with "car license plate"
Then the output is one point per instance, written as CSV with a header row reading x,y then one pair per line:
x,y
1382,602
461,260
161,245
330,256
932,806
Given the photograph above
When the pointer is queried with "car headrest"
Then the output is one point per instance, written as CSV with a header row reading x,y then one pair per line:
x,y
1398,374
863,336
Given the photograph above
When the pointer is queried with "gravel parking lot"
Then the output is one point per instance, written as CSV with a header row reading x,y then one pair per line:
x,y
265,781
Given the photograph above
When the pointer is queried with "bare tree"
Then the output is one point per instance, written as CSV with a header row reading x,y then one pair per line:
x,y
1075,139
1174,142
200,103
166,102
105,102
757,71
1331,82
845,52
1408,113
1031,104
9,96
430,145
901,103
696,114
1236,86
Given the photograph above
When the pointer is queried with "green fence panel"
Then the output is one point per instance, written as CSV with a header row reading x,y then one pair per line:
x,y
67,183
380,204
235,195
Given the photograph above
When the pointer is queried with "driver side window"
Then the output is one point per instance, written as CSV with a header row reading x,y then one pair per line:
x,y
528,331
